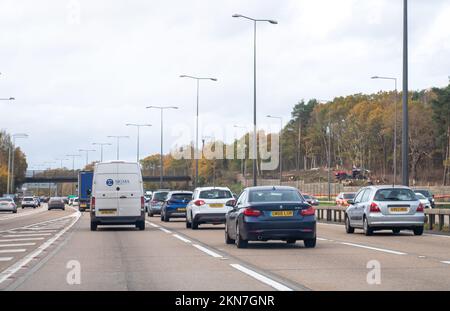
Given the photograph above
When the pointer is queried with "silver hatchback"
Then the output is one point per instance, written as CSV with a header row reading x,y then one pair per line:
x,y
394,208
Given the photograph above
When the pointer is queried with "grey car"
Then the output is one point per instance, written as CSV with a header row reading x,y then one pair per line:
x,y
8,205
56,203
393,208
156,202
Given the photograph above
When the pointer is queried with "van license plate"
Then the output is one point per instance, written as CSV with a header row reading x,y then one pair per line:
x,y
181,209
282,213
398,209
107,212
216,205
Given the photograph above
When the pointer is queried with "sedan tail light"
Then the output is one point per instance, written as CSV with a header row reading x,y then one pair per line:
x,y
310,211
374,208
420,208
199,202
252,212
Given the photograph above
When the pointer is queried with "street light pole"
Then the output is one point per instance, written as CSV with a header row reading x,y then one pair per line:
x,y
280,146
405,129
87,154
118,143
161,168
196,155
138,126
101,148
255,153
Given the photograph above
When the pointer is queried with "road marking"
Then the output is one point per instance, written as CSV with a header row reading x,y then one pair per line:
x,y
262,278
165,230
15,250
438,235
207,251
24,235
5,258
374,248
19,264
446,262
322,239
20,240
18,244
336,225
34,211
179,237
28,232
152,224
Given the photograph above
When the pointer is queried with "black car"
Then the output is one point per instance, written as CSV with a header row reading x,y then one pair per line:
x,y
270,213
428,195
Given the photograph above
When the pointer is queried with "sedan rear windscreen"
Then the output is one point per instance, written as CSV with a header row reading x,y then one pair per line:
x,y
215,194
349,195
181,196
395,195
263,196
28,199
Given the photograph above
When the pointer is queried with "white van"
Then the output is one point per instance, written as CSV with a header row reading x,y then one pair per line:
x,y
117,196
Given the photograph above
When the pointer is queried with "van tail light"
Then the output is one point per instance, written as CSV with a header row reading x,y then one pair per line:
x,y
374,208
252,212
93,203
142,202
199,202
310,211
420,208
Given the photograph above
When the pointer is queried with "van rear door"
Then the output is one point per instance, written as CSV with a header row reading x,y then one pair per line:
x,y
106,198
130,191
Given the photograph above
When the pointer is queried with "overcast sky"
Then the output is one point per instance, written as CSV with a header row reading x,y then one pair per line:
x,y
82,69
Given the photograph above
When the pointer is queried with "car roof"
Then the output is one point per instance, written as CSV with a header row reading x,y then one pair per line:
x,y
388,187
271,188
181,191
212,188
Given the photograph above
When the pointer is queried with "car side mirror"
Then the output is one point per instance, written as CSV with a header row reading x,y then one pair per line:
x,y
231,203
350,202
88,192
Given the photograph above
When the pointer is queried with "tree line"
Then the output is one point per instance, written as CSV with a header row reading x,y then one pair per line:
x,y
20,161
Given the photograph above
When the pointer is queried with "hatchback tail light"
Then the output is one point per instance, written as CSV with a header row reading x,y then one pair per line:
x,y
252,212
374,208
93,203
310,211
199,202
420,208
142,202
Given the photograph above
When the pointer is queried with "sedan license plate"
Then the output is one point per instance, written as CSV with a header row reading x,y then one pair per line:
x,y
181,209
282,214
216,205
107,212
398,209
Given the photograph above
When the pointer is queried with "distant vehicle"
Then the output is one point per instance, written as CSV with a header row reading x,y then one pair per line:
x,y
310,199
71,201
7,204
343,197
66,200
385,207
117,195
208,206
175,205
76,203
428,195
38,201
270,213
29,202
424,200
56,203
84,189
156,202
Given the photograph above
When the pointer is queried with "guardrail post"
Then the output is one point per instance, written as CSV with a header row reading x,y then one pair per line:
x,y
431,224
441,222
340,216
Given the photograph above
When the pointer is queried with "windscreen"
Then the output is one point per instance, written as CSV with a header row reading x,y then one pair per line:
x,y
395,195
160,196
215,194
181,196
267,196
5,200
28,199
425,193
420,196
349,195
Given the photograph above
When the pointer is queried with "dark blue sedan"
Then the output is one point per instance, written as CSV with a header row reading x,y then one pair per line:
x,y
270,213
175,205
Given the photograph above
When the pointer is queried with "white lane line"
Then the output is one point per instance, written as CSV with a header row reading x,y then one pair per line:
x,y
24,235
38,210
33,232
438,235
165,230
15,250
325,224
20,240
19,264
207,251
17,244
5,258
446,262
374,248
30,230
179,237
322,239
261,278
153,225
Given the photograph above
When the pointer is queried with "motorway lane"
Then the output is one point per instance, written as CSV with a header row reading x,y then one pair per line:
x,y
123,258
333,265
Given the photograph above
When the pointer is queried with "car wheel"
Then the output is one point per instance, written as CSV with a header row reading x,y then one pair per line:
x,y
140,225
367,230
348,227
310,243
240,242
15,211
291,241
166,218
228,240
418,231
93,226
396,231
188,224
161,216
194,224
150,214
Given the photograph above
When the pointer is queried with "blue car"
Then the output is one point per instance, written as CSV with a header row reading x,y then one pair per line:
x,y
175,205
270,213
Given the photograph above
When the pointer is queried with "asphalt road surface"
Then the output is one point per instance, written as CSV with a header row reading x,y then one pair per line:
x,y
55,250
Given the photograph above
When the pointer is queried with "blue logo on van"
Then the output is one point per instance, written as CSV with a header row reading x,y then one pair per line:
x,y
109,182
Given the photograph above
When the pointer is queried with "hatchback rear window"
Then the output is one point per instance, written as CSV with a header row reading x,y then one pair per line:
x,y
160,196
349,195
426,193
181,196
262,196
395,195
28,199
215,194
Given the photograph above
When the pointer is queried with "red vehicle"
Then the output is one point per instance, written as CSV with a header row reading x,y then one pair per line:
x,y
343,197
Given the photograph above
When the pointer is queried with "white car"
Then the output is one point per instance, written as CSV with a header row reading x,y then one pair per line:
x,y
208,206
423,199
29,202
117,196
7,204
75,202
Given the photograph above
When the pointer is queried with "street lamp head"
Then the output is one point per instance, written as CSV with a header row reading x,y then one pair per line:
x,y
12,98
272,21
236,15
375,77
214,79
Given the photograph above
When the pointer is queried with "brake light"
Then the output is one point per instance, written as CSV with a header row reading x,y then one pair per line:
x,y
199,202
93,203
142,202
420,208
252,212
374,208
310,211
